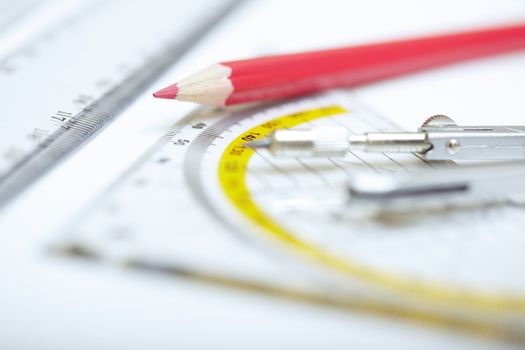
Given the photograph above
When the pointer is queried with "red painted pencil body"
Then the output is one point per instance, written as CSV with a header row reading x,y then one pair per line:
x,y
283,76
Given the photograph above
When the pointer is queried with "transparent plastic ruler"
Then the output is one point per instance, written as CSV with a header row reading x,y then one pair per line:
x,y
70,77
202,205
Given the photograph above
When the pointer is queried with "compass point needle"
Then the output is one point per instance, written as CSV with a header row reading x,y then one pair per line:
x,y
259,144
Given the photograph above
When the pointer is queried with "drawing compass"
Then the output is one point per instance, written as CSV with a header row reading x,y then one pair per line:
x,y
438,138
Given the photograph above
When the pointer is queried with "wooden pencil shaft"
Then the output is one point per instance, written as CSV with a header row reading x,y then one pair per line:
x,y
283,76
419,53
362,54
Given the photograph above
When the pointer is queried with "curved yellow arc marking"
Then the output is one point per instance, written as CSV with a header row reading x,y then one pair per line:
x,y
232,178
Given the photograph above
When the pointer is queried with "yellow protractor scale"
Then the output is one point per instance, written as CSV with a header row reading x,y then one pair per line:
x,y
232,173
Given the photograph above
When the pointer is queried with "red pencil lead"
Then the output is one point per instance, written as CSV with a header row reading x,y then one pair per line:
x,y
169,92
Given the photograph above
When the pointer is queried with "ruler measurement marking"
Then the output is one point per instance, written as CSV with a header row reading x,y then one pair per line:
x,y
77,129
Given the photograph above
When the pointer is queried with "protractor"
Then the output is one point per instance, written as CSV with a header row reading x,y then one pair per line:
x,y
203,203
298,204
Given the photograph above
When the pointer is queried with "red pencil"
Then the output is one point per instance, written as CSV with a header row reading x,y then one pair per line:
x,y
283,76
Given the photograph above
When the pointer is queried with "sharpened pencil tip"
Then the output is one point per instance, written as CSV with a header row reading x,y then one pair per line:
x,y
169,92
264,143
